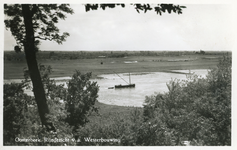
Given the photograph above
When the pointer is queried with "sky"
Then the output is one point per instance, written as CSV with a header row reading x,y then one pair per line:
x,y
200,27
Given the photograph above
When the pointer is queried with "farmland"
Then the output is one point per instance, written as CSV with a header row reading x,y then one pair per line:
x,y
65,63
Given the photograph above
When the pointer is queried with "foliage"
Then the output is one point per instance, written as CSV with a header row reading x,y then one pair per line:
x,y
15,106
30,23
128,130
113,125
197,109
159,8
20,109
44,17
81,97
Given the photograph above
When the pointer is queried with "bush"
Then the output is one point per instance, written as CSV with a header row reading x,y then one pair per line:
x,y
122,127
15,106
128,130
21,119
197,109
81,97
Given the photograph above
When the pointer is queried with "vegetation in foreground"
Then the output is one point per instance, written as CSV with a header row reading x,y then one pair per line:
x,y
197,110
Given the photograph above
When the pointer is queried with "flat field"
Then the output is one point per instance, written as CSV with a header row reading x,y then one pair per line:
x,y
13,69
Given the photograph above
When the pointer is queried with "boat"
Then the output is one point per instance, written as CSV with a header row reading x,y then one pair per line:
x,y
125,86
129,85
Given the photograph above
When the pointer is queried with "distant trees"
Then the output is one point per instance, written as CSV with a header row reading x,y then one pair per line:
x,y
201,52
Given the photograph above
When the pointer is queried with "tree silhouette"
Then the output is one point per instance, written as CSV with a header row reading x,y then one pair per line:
x,y
30,23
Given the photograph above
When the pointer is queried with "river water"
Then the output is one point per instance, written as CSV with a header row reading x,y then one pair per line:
x,y
147,83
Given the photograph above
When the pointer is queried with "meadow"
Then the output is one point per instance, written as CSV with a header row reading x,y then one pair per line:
x,y
142,62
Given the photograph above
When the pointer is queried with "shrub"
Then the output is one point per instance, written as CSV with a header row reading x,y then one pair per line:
x,y
81,97
119,126
196,109
15,106
21,119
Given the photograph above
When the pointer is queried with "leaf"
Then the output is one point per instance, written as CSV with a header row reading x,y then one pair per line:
x,y
183,7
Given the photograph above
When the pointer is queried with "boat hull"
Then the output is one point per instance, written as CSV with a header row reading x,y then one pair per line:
x,y
124,86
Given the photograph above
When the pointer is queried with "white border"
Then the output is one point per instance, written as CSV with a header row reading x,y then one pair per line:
x,y
234,7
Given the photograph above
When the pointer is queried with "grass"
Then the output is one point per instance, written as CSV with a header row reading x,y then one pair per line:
x,y
61,68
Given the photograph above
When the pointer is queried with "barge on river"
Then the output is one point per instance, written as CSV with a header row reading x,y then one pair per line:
x,y
124,86
129,85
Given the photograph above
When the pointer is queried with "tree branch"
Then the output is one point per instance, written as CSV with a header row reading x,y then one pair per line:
x,y
34,9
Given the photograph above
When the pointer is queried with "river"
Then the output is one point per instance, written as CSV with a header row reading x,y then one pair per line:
x,y
147,83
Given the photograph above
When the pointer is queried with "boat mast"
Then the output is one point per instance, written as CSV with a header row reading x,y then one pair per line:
x,y
121,77
129,78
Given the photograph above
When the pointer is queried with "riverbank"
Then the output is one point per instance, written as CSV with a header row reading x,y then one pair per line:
x,y
147,83
65,68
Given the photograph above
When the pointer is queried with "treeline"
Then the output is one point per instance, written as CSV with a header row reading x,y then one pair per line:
x,y
70,55
195,111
